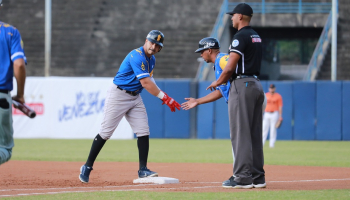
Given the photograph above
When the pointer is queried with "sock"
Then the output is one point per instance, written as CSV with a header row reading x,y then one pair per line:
x,y
96,147
143,146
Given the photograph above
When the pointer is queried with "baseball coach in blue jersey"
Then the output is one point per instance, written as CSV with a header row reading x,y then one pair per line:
x,y
12,63
123,99
209,48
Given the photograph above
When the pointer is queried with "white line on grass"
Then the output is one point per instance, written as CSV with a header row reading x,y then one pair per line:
x,y
320,180
71,188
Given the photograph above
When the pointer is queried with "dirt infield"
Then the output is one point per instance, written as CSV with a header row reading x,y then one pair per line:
x,y
20,178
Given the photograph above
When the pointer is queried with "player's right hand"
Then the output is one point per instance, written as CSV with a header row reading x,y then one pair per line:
x,y
19,98
190,103
170,102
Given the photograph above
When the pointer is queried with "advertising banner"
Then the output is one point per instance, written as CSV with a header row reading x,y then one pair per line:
x,y
66,108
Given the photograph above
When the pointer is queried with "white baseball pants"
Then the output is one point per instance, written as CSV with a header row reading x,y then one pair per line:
x,y
118,104
269,122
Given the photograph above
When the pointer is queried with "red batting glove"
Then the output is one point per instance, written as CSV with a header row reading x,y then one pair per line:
x,y
170,102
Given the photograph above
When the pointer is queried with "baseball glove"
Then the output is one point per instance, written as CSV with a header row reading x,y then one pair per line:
x,y
278,123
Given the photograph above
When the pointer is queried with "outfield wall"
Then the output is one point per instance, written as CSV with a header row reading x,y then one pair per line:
x,y
73,108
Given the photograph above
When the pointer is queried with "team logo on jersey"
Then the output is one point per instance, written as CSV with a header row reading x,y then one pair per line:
x,y
139,51
159,37
235,43
142,66
256,40
223,62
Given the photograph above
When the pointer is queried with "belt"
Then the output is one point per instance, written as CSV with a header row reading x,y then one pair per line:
x,y
4,91
133,93
271,111
246,76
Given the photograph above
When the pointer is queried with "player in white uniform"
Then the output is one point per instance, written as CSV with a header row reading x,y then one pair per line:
x,y
123,99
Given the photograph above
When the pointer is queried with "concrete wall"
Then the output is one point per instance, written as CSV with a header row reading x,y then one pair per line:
x,y
343,46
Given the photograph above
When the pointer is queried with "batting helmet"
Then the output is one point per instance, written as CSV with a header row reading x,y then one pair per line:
x,y
156,36
208,43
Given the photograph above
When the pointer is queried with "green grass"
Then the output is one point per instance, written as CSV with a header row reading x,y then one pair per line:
x,y
303,153
245,195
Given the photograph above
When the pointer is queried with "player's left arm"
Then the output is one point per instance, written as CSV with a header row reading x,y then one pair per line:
x,y
280,105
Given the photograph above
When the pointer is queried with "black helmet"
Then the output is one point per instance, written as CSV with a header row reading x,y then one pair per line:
x,y
208,43
156,36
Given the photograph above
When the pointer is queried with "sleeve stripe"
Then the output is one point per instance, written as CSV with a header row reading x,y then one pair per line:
x,y
236,51
142,74
17,54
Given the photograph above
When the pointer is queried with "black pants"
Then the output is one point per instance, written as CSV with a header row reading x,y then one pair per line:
x,y
245,115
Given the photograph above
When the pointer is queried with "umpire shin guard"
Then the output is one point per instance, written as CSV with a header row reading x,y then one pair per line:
x,y
143,146
96,147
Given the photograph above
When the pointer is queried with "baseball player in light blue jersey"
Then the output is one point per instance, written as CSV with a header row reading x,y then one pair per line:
x,y
123,99
12,63
209,48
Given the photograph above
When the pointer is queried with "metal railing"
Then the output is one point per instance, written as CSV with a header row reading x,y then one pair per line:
x,y
320,51
288,7
216,33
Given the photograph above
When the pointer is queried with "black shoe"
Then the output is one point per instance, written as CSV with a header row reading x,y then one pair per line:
x,y
231,183
145,172
259,185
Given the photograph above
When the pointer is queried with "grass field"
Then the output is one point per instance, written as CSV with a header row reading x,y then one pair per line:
x,y
302,153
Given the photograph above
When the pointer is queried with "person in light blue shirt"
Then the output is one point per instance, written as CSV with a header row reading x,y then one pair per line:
x,y
12,63
123,100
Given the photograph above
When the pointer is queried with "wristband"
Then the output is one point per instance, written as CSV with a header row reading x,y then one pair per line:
x,y
160,95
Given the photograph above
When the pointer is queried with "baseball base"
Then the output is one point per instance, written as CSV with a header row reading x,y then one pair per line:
x,y
156,180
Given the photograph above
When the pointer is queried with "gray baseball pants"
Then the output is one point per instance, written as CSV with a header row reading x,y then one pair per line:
x,y
119,104
245,116
6,130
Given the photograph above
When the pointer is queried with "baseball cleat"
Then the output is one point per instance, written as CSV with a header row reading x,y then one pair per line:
x,y
231,183
85,173
145,172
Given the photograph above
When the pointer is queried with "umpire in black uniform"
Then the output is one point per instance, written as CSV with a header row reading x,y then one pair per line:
x,y
245,102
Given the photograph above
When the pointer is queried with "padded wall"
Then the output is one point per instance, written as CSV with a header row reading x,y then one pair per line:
x,y
205,113
222,126
328,110
177,124
304,100
346,111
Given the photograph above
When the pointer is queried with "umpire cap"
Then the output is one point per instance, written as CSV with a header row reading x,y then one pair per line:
x,y
243,9
156,36
208,43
